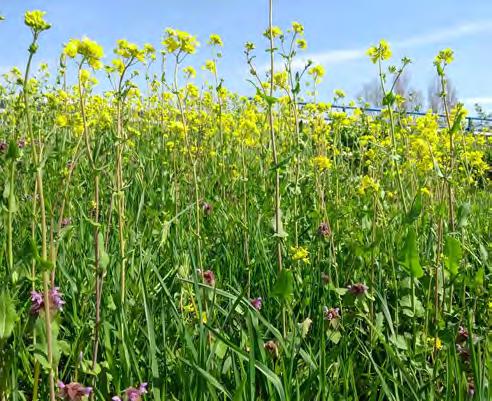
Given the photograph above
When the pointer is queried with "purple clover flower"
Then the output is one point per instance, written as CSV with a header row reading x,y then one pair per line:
x,y
358,289
209,277
257,303
73,391
132,393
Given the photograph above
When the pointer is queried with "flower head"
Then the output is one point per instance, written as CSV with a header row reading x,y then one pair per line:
x,y
209,277
300,253
257,303
272,348
358,289
297,28
179,41
275,31
317,72
381,52
73,391
207,208
331,313
324,230
34,19
90,51
215,40
37,301
132,393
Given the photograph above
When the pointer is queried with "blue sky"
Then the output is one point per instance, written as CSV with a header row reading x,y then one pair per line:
x,y
338,32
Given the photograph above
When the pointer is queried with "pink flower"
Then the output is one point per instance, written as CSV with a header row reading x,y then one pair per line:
x,y
358,289
73,391
257,303
37,301
331,314
209,277
133,394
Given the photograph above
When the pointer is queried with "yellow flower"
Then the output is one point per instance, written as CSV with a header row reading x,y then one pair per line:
x,y
129,50
435,342
339,93
300,253
297,28
88,49
180,41
368,183
34,19
280,79
425,191
445,56
381,52
215,40
276,31
317,72
322,162
189,71
210,66
301,43
118,65
61,120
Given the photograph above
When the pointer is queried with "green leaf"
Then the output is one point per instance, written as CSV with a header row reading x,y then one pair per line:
x,y
453,254
103,256
416,209
7,316
463,213
389,99
409,257
284,286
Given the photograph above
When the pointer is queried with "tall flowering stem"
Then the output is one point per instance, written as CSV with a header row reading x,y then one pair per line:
x,y
278,216
35,21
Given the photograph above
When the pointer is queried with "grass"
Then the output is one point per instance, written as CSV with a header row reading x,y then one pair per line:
x,y
161,215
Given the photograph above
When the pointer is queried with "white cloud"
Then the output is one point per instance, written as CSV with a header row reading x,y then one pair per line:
x,y
483,100
344,55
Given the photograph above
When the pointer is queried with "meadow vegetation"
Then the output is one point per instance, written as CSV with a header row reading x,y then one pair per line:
x,y
171,240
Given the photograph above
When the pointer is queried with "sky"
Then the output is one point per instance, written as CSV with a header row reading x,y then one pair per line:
x,y
337,32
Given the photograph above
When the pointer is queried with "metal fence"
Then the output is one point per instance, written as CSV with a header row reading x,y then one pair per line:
x,y
475,125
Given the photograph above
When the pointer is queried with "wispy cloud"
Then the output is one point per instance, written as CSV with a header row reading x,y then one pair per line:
x,y
344,55
483,100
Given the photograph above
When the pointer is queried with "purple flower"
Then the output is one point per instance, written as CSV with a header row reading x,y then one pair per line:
x,y
325,278
272,348
21,143
471,387
462,335
3,146
132,393
207,208
324,230
66,221
331,314
464,353
73,391
37,303
358,289
56,299
209,277
257,303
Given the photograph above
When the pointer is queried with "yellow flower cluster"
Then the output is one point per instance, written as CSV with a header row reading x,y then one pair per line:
x,y
381,52
300,253
215,40
90,51
368,184
317,72
35,20
179,41
322,162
